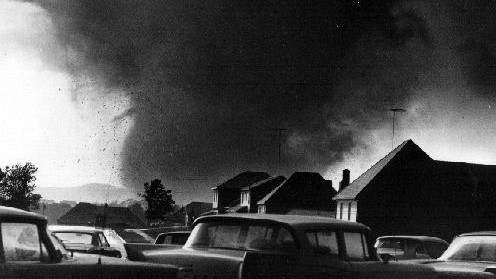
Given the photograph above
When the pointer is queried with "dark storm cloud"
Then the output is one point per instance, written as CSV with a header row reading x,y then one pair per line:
x,y
216,85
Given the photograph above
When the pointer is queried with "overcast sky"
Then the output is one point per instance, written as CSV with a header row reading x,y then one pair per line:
x,y
194,93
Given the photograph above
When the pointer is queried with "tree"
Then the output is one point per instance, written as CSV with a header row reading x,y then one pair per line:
x,y
159,200
17,186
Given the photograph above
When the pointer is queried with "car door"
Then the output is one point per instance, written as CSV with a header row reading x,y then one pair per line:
x,y
363,263
23,254
358,254
327,254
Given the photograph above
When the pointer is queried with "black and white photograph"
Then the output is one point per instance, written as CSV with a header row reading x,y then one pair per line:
x,y
157,139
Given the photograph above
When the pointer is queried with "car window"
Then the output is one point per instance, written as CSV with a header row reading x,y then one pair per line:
x,y
21,242
75,240
471,248
167,239
242,236
102,240
58,244
356,246
160,239
391,243
285,241
224,236
180,239
323,242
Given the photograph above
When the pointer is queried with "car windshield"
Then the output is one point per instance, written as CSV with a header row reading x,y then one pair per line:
x,y
391,243
75,240
472,248
242,236
57,243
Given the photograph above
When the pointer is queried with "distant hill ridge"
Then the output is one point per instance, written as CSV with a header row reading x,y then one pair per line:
x,y
92,193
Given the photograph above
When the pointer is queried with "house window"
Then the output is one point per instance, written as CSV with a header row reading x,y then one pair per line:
x,y
349,211
341,211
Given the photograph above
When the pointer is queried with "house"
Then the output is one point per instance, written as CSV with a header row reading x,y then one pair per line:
x,y
87,214
194,209
252,194
227,194
53,211
407,192
304,191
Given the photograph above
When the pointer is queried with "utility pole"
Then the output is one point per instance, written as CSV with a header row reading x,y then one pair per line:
x,y
394,110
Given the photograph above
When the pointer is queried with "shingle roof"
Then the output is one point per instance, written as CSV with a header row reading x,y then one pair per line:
x,y
85,213
352,190
261,182
243,179
269,195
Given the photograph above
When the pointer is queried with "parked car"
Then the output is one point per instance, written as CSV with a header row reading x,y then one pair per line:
x,y
28,251
280,246
83,239
175,238
470,255
164,241
408,247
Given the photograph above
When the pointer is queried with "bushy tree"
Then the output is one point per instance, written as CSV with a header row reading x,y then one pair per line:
x,y
17,186
159,200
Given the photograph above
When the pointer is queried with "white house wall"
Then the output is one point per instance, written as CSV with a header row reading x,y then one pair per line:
x,y
347,210
215,199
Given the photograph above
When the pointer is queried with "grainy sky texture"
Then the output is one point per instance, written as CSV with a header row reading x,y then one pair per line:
x,y
194,92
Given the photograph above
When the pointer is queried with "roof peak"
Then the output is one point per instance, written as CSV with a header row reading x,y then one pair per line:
x,y
354,189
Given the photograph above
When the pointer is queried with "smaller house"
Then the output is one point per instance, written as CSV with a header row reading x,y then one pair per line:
x,y
227,194
303,191
86,214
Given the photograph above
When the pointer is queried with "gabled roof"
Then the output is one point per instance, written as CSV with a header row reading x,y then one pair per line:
x,y
85,213
352,190
197,208
242,180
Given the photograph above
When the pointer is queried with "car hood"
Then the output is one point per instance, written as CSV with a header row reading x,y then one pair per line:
x,y
462,268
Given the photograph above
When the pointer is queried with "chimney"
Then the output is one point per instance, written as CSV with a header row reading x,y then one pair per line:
x,y
346,179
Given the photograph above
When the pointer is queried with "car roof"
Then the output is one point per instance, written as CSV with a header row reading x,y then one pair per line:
x,y
64,228
479,233
292,220
11,212
413,237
